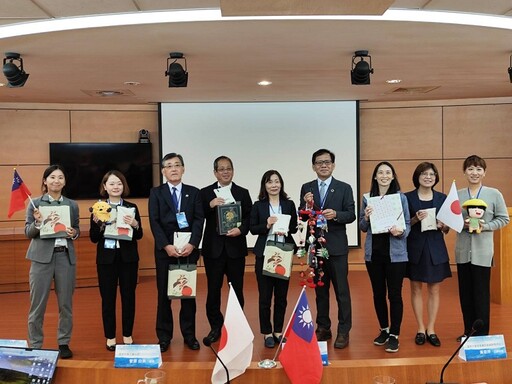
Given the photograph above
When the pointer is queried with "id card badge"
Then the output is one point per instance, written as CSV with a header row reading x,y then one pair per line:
x,y
110,244
321,221
182,220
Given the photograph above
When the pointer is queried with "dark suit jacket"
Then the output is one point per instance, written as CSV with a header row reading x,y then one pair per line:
x,y
127,249
433,239
213,243
341,199
163,221
259,215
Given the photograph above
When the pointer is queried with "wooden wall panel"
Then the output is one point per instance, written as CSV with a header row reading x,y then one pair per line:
x,y
480,129
401,133
26,134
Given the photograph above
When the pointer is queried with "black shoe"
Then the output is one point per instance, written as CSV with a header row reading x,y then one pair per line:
x,y
382,338
65,352
193,344
434,340
269,341
213,336
420,338
323,334
164,345
393,344
341,341
111,348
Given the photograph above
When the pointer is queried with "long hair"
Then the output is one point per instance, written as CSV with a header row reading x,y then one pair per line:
x,y
394,186
266,177
47,172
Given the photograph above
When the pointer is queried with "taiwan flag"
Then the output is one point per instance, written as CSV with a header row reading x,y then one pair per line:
x,y
19,194
300,356
450,212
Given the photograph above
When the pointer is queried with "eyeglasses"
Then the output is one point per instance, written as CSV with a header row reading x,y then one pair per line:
x,y
323,162
428,174
220,170
172,166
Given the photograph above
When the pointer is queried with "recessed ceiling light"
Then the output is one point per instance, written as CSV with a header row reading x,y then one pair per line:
x,y
265,83
110,93
132,83
393,81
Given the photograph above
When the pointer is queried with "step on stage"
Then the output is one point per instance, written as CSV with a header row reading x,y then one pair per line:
x,y
357,364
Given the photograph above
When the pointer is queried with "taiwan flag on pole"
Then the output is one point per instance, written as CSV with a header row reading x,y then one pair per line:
x,y
235,348
19,194
300,356
450,212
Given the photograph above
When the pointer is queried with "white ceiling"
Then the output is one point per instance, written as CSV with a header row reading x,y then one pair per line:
x,y
305,60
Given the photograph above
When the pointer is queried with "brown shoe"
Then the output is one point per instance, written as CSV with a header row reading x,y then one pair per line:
x,y
323,334
341,341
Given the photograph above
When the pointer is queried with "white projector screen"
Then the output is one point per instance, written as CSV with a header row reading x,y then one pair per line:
x,y
263,136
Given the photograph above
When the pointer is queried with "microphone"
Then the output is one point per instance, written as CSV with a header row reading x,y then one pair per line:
x,y
477,325
207,342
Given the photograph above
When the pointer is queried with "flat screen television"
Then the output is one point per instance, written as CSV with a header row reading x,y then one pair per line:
x,y
85,165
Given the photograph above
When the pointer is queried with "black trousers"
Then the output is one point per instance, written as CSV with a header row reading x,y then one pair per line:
x,y
164,317
234,269
267,287
474,296
109,276
336,272
387,277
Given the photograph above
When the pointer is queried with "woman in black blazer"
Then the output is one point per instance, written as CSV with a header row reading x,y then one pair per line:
x,y
117,261
272,200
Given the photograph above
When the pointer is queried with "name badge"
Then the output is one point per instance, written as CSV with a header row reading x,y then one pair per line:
x,y
110,244
321,221
182,220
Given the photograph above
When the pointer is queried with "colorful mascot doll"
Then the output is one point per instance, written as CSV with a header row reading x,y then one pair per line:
x,y
102,211
476,209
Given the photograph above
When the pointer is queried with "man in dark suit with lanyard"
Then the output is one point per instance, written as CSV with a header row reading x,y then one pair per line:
x,y
336,201
175,207
223,254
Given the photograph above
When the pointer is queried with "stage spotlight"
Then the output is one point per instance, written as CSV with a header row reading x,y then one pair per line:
x,y
15,75
360,73
178,77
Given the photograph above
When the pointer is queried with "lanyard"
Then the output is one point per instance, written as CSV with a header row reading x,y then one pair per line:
x,y
478,193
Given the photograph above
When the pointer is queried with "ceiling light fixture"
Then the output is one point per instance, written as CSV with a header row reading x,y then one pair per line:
x,y
360,73
15,75
265,83
178,77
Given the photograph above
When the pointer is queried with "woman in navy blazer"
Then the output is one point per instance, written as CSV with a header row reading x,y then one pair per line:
x,y
428,256
117,261
272,200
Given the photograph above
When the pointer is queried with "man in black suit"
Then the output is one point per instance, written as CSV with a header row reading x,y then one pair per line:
x,y
336,201
223,254
174,207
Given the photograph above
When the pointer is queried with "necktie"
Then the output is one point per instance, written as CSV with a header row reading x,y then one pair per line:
x,y
175,198
322,191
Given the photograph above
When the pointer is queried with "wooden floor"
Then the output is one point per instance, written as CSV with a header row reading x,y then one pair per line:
x,y
88,343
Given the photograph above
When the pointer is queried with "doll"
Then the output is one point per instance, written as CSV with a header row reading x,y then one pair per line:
x,y
476,209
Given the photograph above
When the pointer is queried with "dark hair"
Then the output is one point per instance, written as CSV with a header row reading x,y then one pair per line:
x,y
321,152
47,172
216,162
474,161
169,156
422,167
264,179
114,172
394,186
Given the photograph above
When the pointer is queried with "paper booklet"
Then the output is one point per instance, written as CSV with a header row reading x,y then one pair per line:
x,y
387,211
225,193
429,223
281,225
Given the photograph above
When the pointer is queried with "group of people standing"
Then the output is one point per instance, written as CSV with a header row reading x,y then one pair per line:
x,y
176,207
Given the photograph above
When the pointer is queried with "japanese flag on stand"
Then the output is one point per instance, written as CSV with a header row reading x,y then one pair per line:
x,y
235,348
450,212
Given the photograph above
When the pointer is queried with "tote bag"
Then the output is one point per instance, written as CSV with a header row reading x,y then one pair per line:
x,y
277,259
182,281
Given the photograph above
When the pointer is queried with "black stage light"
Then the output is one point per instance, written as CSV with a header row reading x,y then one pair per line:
x,y
360,73
178,77
15,75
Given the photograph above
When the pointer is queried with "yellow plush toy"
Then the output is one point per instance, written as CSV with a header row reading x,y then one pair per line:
x,y
102,211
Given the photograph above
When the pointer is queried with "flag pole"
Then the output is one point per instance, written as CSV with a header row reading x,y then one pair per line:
x,y
31,201
267,363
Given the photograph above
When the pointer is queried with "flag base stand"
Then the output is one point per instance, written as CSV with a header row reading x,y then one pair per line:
x,y
267,364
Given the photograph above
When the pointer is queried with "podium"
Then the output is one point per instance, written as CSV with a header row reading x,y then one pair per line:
x,y
501,273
